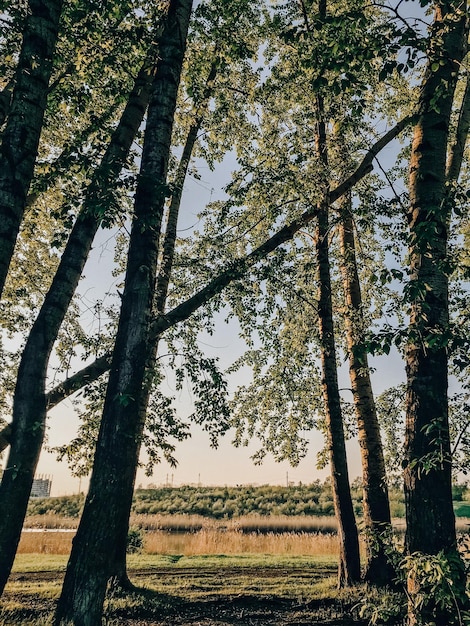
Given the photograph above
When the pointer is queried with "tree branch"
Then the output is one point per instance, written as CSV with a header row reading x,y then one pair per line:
x,y
235,270
457,149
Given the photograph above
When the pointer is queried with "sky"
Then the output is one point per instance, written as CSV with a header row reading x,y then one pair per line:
x,y
198,463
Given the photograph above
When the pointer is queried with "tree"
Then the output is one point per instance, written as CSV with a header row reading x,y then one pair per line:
x,y
20,137
428,463
107,506
377,520
349,570
29,403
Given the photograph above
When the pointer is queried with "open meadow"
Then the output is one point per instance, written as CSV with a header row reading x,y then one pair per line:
x,y
200,570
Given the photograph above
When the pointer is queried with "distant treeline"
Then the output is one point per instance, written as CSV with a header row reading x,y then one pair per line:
x,y
232,502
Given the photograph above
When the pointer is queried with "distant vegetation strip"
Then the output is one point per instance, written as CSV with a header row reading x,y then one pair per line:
x,y
230,503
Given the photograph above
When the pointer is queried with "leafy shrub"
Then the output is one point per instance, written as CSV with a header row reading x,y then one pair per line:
x,y
135,541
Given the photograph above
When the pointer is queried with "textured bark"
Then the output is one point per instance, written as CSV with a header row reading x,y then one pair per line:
x,y
376,505
30,401
120,578
349,571
457,148
104,523
429,513
5,100
20,138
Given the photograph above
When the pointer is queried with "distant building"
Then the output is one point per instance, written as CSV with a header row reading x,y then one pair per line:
x,y
41,487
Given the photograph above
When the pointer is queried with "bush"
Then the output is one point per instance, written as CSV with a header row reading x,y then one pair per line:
x,y
135,541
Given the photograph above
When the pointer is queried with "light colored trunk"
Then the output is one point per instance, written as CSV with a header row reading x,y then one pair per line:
x,y
377,522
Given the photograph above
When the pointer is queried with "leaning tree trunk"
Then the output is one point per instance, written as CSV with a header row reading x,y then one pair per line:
x,y
109,499
377,521
120,577
20,138
428,464
30,402
349,570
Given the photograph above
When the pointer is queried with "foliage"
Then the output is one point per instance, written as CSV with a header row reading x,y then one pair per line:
x,y
65,506
135,541
218,502
431,587
426,592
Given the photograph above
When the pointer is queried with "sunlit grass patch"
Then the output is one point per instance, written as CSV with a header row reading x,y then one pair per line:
x,y
208,541
33,562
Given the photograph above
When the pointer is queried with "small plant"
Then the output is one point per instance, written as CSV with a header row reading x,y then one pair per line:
x,y
382,606
433,596
135,541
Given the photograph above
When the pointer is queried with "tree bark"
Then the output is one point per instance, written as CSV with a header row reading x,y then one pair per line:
x,y
349,569
104,522
377,521
428,465
120,577
20,138
30,402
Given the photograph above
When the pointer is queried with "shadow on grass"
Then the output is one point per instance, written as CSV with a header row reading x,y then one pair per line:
x,y
144,605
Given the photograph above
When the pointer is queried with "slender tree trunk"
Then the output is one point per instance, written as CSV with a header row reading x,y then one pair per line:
x,y
120,577
20,138
30,404
349,571
377,521
428,465
106,513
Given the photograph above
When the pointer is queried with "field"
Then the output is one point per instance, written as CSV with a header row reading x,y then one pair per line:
x,y
191,571
247,590
205,566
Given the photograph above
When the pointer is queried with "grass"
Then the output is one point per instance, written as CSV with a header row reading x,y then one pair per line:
x,y
204,541
171,586
188,586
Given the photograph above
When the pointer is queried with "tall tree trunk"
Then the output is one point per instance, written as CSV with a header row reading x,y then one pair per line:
x,y
20,138
120,577
30,403
349,570
377,521
428,497
106,512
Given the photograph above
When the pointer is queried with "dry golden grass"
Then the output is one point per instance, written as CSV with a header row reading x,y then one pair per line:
x,y
205,541
211,541
50,520
195,535
43,542
247,523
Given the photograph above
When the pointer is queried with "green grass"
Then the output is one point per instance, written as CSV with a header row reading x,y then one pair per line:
x,y
57,563
40,563
462,509
170,585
